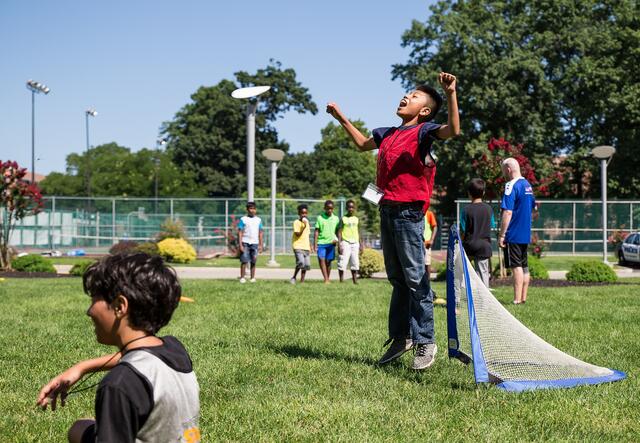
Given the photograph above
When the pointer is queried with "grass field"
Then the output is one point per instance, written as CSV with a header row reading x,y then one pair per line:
x,y
278,362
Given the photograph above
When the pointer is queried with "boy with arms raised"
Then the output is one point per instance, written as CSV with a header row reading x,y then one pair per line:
x,y
151,392
403,170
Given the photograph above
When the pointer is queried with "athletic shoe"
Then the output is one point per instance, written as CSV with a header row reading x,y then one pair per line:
x,y
398,347
253,280
292,281
425,356
243,280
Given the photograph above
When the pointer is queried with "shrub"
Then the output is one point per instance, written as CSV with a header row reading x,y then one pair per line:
x,y
371,261
176,250
591,271
537,269
171,229
123,246
150,248
80,267
537,246
33,263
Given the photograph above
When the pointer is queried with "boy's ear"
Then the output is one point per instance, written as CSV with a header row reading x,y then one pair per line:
x,y
424,112
120,305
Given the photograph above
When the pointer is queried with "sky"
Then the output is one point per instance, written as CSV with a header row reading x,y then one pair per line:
x,y
137,62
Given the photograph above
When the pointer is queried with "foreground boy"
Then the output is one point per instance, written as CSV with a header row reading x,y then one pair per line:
x,y
403,159
151,392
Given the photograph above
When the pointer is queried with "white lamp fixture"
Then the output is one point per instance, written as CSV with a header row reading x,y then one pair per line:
x,y
249,93
604,154
35,88
275,156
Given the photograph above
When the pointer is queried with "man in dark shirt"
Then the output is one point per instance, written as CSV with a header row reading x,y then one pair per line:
x,y
476,223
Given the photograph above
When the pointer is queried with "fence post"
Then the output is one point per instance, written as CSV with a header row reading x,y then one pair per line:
x,y
97,229
630,217
171,209
226,226
573,230
113,221
284,229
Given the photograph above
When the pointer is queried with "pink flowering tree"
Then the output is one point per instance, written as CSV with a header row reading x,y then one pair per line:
x,y
18,199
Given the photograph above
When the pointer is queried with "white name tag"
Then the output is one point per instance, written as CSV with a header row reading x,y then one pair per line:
x,y
373,194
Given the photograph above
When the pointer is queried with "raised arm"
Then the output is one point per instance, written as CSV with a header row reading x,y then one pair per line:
x,y
362,142
452,128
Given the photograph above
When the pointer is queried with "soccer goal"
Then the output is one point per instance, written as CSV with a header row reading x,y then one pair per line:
x,y
503,350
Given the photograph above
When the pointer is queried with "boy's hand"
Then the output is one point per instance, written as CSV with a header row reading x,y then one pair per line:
x,y
448,82
427,244
333,109
58,386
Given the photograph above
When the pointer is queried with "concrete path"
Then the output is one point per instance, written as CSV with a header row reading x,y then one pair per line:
x,y
264,273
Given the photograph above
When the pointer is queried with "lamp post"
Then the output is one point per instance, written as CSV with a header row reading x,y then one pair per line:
x,y
275,156
88,113
35,88
160,142
250,93
604,154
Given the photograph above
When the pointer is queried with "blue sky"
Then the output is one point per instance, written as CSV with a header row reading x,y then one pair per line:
x,y
138,62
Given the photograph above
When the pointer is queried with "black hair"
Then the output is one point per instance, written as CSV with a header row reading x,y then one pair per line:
x,y
302,206
151,288
251,205
350,201
436,100
328,202
476,187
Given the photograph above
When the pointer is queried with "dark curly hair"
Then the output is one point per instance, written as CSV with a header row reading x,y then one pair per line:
x,y
151,288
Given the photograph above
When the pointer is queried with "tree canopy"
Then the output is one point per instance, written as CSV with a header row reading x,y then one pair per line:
x,y
558,77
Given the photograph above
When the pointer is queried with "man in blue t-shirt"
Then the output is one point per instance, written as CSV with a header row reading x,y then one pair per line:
x,y
515,228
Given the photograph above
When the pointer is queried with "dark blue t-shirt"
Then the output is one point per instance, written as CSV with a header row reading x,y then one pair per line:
x,y
518,197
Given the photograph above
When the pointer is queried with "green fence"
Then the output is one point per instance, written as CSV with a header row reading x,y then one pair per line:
x,y
575,226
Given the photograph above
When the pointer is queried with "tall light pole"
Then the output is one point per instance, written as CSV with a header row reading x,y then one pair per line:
x,y
35,88
604,154
275,156
250,93
160,142
88,113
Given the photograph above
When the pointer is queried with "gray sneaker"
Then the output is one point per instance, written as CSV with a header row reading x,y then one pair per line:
x,y
425,356
398,347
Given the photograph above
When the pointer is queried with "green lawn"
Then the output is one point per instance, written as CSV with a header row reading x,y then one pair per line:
x,y
278,362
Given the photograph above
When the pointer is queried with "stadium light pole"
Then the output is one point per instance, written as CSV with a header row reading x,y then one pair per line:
x,y
250,93
275,156
160,142
35,88
604,154
88,113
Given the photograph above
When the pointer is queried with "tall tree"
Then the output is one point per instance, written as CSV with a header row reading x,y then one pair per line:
x,y
208,135
551,75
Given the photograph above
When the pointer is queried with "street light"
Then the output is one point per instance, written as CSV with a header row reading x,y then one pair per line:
x,y
156,160
250,93
88,113
275,156
604,154
35,88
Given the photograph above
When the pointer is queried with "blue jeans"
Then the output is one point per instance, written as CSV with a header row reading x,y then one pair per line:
x,y
411,307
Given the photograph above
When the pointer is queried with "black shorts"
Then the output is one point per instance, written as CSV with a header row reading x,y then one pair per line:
x,y
515,255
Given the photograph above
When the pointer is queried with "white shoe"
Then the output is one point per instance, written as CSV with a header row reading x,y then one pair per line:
x,y
292,281
243,280
253,280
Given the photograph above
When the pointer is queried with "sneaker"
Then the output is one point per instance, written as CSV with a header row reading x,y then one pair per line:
x,y
243,280
253,280
425,356
292,281
398,347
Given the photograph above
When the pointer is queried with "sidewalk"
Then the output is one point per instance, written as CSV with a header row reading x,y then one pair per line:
x,y
264,273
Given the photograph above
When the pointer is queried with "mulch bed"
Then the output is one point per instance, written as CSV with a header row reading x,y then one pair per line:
x,y
16,274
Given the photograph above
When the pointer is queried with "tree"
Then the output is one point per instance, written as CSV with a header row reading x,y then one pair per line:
x,y
208,135
18,199
114,170
553,76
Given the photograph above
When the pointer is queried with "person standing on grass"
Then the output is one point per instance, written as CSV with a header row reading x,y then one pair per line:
x,y
250,233
405,180
349,243
476,222
430,231
515,227
301,244
324,239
